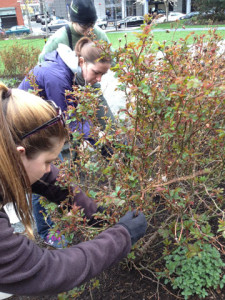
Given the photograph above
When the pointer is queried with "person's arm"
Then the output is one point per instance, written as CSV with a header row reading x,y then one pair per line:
x,y
55,81
60,36
28,270
46,187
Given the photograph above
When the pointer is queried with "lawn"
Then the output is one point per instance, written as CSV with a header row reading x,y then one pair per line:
x,y
37,43
160,31
158,36
30,43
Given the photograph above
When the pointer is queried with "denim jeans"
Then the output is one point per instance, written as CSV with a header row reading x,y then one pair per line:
x,y
43,225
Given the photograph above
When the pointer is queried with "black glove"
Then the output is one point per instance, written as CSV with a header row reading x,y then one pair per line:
x,y
136,225
96,222
106,151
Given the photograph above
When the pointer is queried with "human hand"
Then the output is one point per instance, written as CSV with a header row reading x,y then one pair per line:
x,y
135,223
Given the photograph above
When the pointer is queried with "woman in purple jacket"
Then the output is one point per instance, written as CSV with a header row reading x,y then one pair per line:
x,y
64,68
31,137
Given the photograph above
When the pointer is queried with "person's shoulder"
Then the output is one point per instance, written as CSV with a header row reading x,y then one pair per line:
x,y
101,35
60,34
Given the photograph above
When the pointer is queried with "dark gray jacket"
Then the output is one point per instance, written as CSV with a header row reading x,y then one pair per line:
x,y
26,269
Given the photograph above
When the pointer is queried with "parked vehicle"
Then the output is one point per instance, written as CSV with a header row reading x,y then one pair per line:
x,y
34,17
38,18
17,30
190,15
41,19
159,12
131,21
102,23
54,25
49,19
172,16
2,33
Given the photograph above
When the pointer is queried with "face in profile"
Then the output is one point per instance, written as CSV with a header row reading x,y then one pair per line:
x,y
92,73
84,30
40,164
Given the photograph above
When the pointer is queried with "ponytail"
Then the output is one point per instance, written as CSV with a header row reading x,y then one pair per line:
x,y
91,52
80,44
14,182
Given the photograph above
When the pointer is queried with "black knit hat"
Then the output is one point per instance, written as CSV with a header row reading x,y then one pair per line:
x,y
83,12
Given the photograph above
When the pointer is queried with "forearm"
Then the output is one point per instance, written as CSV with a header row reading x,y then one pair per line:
x,y
27,269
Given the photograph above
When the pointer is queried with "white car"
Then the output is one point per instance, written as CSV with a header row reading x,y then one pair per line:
x,y
55,25
102,23
172,16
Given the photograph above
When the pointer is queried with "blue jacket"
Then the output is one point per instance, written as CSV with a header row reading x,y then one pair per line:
x,y
54,77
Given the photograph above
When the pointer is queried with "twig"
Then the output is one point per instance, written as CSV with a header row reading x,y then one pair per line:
x,y
223,214
154,236
183,178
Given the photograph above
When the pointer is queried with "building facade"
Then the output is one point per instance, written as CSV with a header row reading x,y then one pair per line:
x,y
10,13
111,9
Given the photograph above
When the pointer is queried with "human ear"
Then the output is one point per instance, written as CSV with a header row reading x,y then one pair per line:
x,y
81,61
21,150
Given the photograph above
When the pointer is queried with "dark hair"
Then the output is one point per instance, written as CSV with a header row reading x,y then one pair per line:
x,y
91,52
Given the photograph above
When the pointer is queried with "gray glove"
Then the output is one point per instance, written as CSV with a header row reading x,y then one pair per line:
x,y
136,225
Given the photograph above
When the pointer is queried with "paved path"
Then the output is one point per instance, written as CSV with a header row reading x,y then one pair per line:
x,y
115,99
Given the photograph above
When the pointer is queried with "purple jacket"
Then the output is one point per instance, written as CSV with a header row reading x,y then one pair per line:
x,y
54,77
26,269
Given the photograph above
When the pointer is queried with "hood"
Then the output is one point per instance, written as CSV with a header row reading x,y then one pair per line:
x,y
69,57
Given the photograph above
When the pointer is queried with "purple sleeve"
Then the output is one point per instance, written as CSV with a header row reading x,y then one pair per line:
x,y
27,269
55,85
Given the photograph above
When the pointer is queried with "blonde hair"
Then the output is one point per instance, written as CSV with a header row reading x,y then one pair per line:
x,y
21,112
90,51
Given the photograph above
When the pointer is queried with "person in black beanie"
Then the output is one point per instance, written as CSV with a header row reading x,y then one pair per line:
x,y
78,12
83,17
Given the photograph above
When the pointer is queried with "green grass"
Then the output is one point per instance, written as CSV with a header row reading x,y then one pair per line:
x,y
185,23
163,35
30,43
37,43
158,36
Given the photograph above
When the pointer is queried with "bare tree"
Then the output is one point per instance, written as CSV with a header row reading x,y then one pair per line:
x,y
41,6
26,2
167,3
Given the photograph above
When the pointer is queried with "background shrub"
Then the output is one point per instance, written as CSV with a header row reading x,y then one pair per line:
x,y
18,59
